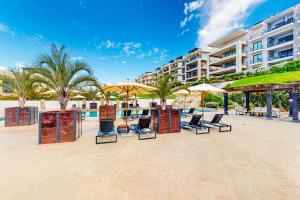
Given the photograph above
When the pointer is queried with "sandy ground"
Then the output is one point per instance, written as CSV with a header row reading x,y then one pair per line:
x,y
259,159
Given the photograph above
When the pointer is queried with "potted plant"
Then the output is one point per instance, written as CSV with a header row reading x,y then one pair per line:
x,y
19,82
64,77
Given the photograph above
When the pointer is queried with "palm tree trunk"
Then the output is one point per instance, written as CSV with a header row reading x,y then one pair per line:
x,y
22,101
63,101
162,102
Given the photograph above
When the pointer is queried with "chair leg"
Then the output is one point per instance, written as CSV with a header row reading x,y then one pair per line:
x,y
224,128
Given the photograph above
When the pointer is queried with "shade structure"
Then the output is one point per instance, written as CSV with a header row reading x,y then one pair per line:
x,y
128,87
203,89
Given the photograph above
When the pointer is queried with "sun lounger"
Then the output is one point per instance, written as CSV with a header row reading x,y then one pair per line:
x,y
145,113
216,122
143,129
194,123
276,112
107,133
191,112
130,117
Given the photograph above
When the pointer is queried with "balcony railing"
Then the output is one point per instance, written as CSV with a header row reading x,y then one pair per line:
x,y
279,43
256,49
191,67
256,35
191,75
256,61
280,57
279,25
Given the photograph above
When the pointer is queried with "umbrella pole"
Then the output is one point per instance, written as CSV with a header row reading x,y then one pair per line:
x,y
184,103
136,112
202,100
126,107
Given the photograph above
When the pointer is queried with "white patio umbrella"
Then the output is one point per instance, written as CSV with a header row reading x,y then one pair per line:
x,y
78,96
204,89
51,92
128,87
184,93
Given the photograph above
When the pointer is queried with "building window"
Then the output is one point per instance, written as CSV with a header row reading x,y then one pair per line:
x,y
231,64
229,54
257,58
183,77
257,45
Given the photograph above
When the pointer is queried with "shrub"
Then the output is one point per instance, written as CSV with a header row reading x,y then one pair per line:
x,y
212,105
215,98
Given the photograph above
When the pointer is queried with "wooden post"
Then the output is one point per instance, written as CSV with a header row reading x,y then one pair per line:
x,y
247,95
295,95
269,103
225,103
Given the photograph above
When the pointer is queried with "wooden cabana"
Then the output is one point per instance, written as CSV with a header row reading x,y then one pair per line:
x,y
289,81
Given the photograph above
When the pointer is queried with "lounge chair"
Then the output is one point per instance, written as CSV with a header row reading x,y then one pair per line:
x,y
145,113
192,123
216,122
107,133
190,113
130,117
143,129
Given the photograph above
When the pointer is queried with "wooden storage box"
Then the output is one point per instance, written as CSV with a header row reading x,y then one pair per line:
x,y
165,121
57,127
17,116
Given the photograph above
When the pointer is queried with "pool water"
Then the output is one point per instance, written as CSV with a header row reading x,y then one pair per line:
x,y
96,113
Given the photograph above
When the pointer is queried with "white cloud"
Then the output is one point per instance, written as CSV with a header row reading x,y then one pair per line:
x,y
189,11
82,4
76,58
141,56
35,39
5,29
123,62
222,17
192,6
3,68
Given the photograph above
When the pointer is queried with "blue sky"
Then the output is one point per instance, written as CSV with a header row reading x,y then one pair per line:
x,y
121,39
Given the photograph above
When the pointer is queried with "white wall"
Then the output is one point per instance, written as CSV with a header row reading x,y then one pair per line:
x,y
54,105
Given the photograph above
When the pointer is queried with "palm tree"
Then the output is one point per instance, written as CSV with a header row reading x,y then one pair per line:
x,y
58,72
166,87
19,83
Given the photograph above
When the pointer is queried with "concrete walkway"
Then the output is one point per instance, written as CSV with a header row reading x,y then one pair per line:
x,y
259,159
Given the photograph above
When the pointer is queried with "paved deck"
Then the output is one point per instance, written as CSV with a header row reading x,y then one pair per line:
x,y
259,159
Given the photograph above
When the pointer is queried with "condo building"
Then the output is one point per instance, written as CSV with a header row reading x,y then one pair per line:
x,y
189,68
148,78
273,41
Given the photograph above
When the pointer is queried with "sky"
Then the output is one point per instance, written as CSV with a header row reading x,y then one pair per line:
x,y
122,39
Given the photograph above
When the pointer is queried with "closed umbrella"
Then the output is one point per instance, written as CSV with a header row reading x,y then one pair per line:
x,y
184,93
204,89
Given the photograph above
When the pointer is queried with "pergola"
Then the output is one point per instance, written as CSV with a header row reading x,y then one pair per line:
x,y
269,83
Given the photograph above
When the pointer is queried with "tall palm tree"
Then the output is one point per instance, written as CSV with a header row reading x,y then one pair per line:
x,y
166,87
58,72
19,83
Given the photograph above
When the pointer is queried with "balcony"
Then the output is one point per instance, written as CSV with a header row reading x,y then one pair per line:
x,y
257,62
219,61
281,24
275,59
224,70
256,36
285,26
255,50
190,76
192,67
